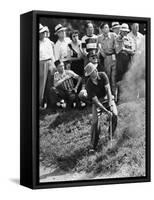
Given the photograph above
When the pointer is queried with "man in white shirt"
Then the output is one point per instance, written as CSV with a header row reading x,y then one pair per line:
x,y
139,46
61,46
46,58
136,37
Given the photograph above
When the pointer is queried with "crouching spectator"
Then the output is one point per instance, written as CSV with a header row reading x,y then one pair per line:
x,y
64,87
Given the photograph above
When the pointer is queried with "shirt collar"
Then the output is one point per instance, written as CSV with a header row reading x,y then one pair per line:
x,y
136,36
98,78
119,38
63,74
90,35
59,41
106,36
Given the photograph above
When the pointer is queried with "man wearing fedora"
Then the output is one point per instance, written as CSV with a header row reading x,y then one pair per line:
x,y
92,57
115,28
61,46
124,51
46,58
97,88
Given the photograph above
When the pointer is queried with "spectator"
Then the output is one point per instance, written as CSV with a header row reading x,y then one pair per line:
x,y
106,43
89,41
75,54
139,46
47,32
115,28
61,46
136,37
46,64
64,87
124,51
97,88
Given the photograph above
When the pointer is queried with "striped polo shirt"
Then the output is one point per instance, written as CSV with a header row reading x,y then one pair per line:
x,y
68,84
89,42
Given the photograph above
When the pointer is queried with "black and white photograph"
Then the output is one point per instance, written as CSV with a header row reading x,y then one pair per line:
x,y
92,98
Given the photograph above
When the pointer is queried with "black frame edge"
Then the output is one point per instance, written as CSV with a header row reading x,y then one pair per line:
x,y
26,168
148,100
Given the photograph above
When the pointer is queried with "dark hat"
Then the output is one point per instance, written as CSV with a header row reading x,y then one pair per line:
x,y
57,62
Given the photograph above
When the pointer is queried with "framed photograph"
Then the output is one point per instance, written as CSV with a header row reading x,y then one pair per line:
x,y
85,99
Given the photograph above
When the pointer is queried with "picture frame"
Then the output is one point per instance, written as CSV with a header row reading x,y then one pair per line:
x,y
30,113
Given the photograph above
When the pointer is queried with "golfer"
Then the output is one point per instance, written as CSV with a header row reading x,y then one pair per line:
x,y
97,88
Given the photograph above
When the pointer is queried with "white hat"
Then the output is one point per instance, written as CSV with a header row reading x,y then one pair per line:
x,y
43,28
124,27
47,29
59,27
89,68
115,25
40,26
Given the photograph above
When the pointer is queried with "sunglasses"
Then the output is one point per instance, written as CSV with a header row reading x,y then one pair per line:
x,y
61,65
75,36
93,57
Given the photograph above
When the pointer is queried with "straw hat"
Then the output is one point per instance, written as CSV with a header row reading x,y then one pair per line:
x,y
47,29
124,27
59,27
43,28
40,26
115,25
89,68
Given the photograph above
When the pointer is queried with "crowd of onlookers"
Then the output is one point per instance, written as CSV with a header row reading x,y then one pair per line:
x,y
62,64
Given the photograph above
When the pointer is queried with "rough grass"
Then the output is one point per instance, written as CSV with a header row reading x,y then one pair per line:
x,y
65,138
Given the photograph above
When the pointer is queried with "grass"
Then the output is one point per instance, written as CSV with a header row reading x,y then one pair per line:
x,y
65,139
